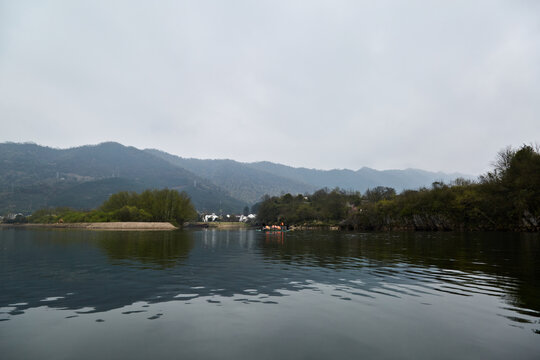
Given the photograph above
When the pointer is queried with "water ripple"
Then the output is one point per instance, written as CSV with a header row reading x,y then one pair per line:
x,y
97,272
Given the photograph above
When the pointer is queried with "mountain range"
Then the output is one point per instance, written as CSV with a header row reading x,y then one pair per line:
x,y
34,176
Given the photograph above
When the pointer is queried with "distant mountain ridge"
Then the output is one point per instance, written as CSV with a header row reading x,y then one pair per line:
x,y
359,180
34,176
241,181
250,181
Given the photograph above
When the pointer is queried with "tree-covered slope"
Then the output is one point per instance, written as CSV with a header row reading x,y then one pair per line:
x,y
359,180
507,198
250,181
239,179
33,176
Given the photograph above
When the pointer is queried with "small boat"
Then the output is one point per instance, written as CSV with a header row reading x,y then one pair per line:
x,y
274,228
273,231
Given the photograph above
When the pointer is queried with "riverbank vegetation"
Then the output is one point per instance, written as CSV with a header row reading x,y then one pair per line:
x,y
507,198
149,206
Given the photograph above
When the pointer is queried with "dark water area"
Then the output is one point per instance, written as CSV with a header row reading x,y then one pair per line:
x,y
210,294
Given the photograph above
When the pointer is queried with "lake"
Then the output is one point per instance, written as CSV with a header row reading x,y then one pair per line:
x,y
207,294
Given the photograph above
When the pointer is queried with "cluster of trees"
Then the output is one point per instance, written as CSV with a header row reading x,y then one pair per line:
x,y
323,206
150,205
507,198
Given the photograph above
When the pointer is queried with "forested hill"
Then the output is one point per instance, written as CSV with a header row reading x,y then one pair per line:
x,y
359,180
505,199
250,181
33,176
240,180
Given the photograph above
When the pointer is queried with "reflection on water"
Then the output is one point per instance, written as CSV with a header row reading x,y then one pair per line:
x,y
494,263
489,275
160,250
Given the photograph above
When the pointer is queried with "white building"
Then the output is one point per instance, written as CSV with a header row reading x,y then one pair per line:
x,y
244,218
211,217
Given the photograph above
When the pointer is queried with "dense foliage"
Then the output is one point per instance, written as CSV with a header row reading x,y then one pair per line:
x,y
508,198
151,205
323,206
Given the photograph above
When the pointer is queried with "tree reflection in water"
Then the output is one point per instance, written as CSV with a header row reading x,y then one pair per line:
x,y
155,249
100,271
507,261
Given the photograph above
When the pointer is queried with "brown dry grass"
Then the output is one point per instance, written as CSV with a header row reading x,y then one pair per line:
x,y
133,226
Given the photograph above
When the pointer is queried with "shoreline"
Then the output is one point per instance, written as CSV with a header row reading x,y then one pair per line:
x,y
116,226
218,225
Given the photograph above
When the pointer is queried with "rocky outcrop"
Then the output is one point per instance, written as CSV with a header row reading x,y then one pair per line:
x,y
435,222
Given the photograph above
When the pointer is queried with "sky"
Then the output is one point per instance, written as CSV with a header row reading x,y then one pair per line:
x,y
434,85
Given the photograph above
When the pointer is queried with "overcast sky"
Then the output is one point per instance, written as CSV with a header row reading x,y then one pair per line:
x,y
436,85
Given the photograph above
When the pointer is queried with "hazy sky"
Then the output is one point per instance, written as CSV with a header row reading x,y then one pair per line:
x,y
437,85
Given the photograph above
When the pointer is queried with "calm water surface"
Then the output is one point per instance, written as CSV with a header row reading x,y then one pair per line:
x,y
245,294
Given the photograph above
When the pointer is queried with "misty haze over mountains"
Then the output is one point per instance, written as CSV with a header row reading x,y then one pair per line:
x,y
33,176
